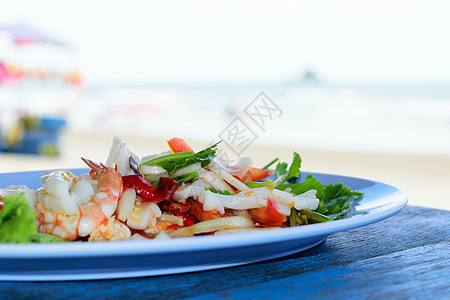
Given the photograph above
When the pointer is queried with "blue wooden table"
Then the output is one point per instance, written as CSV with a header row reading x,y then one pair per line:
x,y
405,256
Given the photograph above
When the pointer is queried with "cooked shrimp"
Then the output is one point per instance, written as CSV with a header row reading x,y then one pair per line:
x,y
59,224
104,202
56,212
110,230
70,206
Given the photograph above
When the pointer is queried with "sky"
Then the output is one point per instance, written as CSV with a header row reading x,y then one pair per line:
x,y
248,42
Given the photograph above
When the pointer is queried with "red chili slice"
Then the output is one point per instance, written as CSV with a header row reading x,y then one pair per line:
x,y
166,188
187,219
181,207
148,192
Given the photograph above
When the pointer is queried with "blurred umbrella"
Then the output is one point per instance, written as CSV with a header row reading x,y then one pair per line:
x,y
23,34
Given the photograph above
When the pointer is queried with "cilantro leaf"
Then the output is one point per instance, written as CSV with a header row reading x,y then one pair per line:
x,y
335,200
280,169
339,199
294,168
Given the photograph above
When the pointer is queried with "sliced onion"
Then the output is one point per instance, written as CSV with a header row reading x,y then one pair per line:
x,y
213,225
187,170
214,181
153,173
154,178
126,204
220,172
242,213
151,170
171,219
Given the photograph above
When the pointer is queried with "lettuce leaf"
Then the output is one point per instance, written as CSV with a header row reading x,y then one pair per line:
x,y
17,220
45,238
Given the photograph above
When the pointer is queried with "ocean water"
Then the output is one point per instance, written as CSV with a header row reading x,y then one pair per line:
x,y
408,119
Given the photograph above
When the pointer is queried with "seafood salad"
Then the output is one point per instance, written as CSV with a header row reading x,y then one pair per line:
x,y
178,193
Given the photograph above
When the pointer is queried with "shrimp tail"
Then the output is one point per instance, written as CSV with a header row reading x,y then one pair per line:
x,y
96,169
93,165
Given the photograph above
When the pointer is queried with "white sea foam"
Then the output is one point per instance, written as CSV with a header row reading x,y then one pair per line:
x,y
406,119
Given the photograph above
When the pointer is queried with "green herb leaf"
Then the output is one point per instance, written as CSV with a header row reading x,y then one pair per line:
x,y
315,217
268,183
255,184
310,183
280,169
176,161
170,161
293,218
269,164
225,192
338,200
294,168
188,177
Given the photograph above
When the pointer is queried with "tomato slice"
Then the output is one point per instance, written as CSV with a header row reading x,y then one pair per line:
x,y
199,213
255,174
177,145
269,215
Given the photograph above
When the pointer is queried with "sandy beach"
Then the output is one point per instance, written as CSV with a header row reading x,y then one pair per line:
x,y
424,178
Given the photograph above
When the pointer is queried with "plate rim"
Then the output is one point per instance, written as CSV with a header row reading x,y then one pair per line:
x,y
398,200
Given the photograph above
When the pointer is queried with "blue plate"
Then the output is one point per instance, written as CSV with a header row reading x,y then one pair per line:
x,y
105,260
